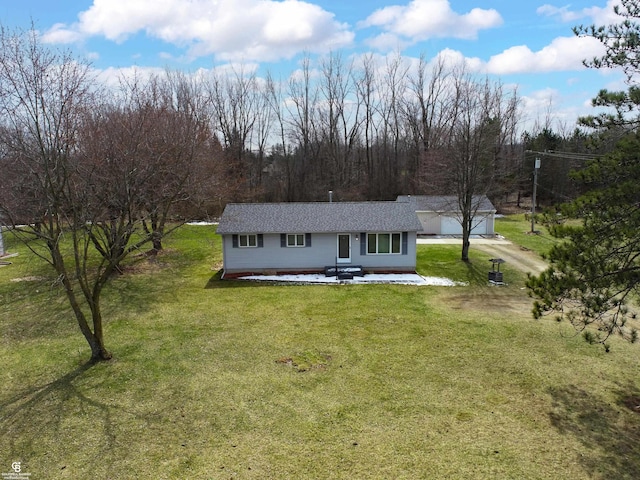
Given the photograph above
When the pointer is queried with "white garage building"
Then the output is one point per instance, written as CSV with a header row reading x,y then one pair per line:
x,y
440,215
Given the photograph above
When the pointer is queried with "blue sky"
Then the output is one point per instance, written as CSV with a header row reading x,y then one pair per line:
x,y
523,43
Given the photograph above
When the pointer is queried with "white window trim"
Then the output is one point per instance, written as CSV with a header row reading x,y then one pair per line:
x,y
391,252
295,236
248,236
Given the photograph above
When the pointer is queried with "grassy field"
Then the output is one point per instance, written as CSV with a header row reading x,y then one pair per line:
x,y
517,229
221,379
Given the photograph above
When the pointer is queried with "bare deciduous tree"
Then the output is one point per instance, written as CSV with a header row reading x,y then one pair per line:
x,y
87,174
480,136
301,114
44,95
236,101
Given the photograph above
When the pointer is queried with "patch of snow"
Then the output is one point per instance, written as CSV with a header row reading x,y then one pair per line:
x,y
398,279
202,223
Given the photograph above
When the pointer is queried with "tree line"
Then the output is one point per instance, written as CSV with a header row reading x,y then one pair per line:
x,y
364,129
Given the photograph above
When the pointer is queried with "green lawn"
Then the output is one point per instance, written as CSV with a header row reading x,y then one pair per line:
x,y
518,229
221,379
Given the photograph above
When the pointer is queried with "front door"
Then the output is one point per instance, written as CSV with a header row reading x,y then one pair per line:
x,y
344,248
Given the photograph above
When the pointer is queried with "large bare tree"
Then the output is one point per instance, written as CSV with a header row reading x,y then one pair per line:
x,y
82,170
44,95
482,132
160,129
238,102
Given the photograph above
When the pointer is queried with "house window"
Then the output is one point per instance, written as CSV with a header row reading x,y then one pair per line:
x,y
295,240
381,243
250,240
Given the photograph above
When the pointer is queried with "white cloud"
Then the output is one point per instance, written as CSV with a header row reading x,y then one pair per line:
x,y
228,29
563,13
452,59
548,108
59,33
112,77
562,54
423,19
386,42
541,101
597,15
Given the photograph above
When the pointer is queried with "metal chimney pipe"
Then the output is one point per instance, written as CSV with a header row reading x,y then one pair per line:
x,y
330,196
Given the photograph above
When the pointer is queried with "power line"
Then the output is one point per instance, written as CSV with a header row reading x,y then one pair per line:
x,y
567,155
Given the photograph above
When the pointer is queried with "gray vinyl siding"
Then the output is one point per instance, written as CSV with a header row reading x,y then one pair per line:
x,y
430,223
322,253
433,223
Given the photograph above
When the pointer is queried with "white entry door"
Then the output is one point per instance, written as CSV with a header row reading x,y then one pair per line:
x,y
344,248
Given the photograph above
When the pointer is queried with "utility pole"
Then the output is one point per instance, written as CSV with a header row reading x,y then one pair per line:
x,y
533,199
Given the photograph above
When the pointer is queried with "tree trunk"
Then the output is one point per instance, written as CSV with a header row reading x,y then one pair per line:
x,y
155,230
98,350
94,338
466,232
156,241
99,353
465,249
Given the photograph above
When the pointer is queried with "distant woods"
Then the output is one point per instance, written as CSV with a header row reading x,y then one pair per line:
x,y
367,129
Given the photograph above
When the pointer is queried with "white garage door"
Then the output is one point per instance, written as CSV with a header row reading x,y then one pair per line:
x,y
451,226
481,227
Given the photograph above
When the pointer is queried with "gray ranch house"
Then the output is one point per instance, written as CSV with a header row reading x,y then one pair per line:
x,y
440,215
309,237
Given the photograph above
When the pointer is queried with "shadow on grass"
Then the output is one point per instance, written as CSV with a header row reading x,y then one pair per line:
x,y
611,433
21,304
35,413
216,281
475,274
145,283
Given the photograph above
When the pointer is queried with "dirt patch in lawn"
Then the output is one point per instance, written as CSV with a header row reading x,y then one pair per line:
x,y
31,278
491,299
303,362
147,262
515,256
632,403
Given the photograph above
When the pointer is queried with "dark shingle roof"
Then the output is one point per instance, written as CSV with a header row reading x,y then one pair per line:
x,y
444,203
318,217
